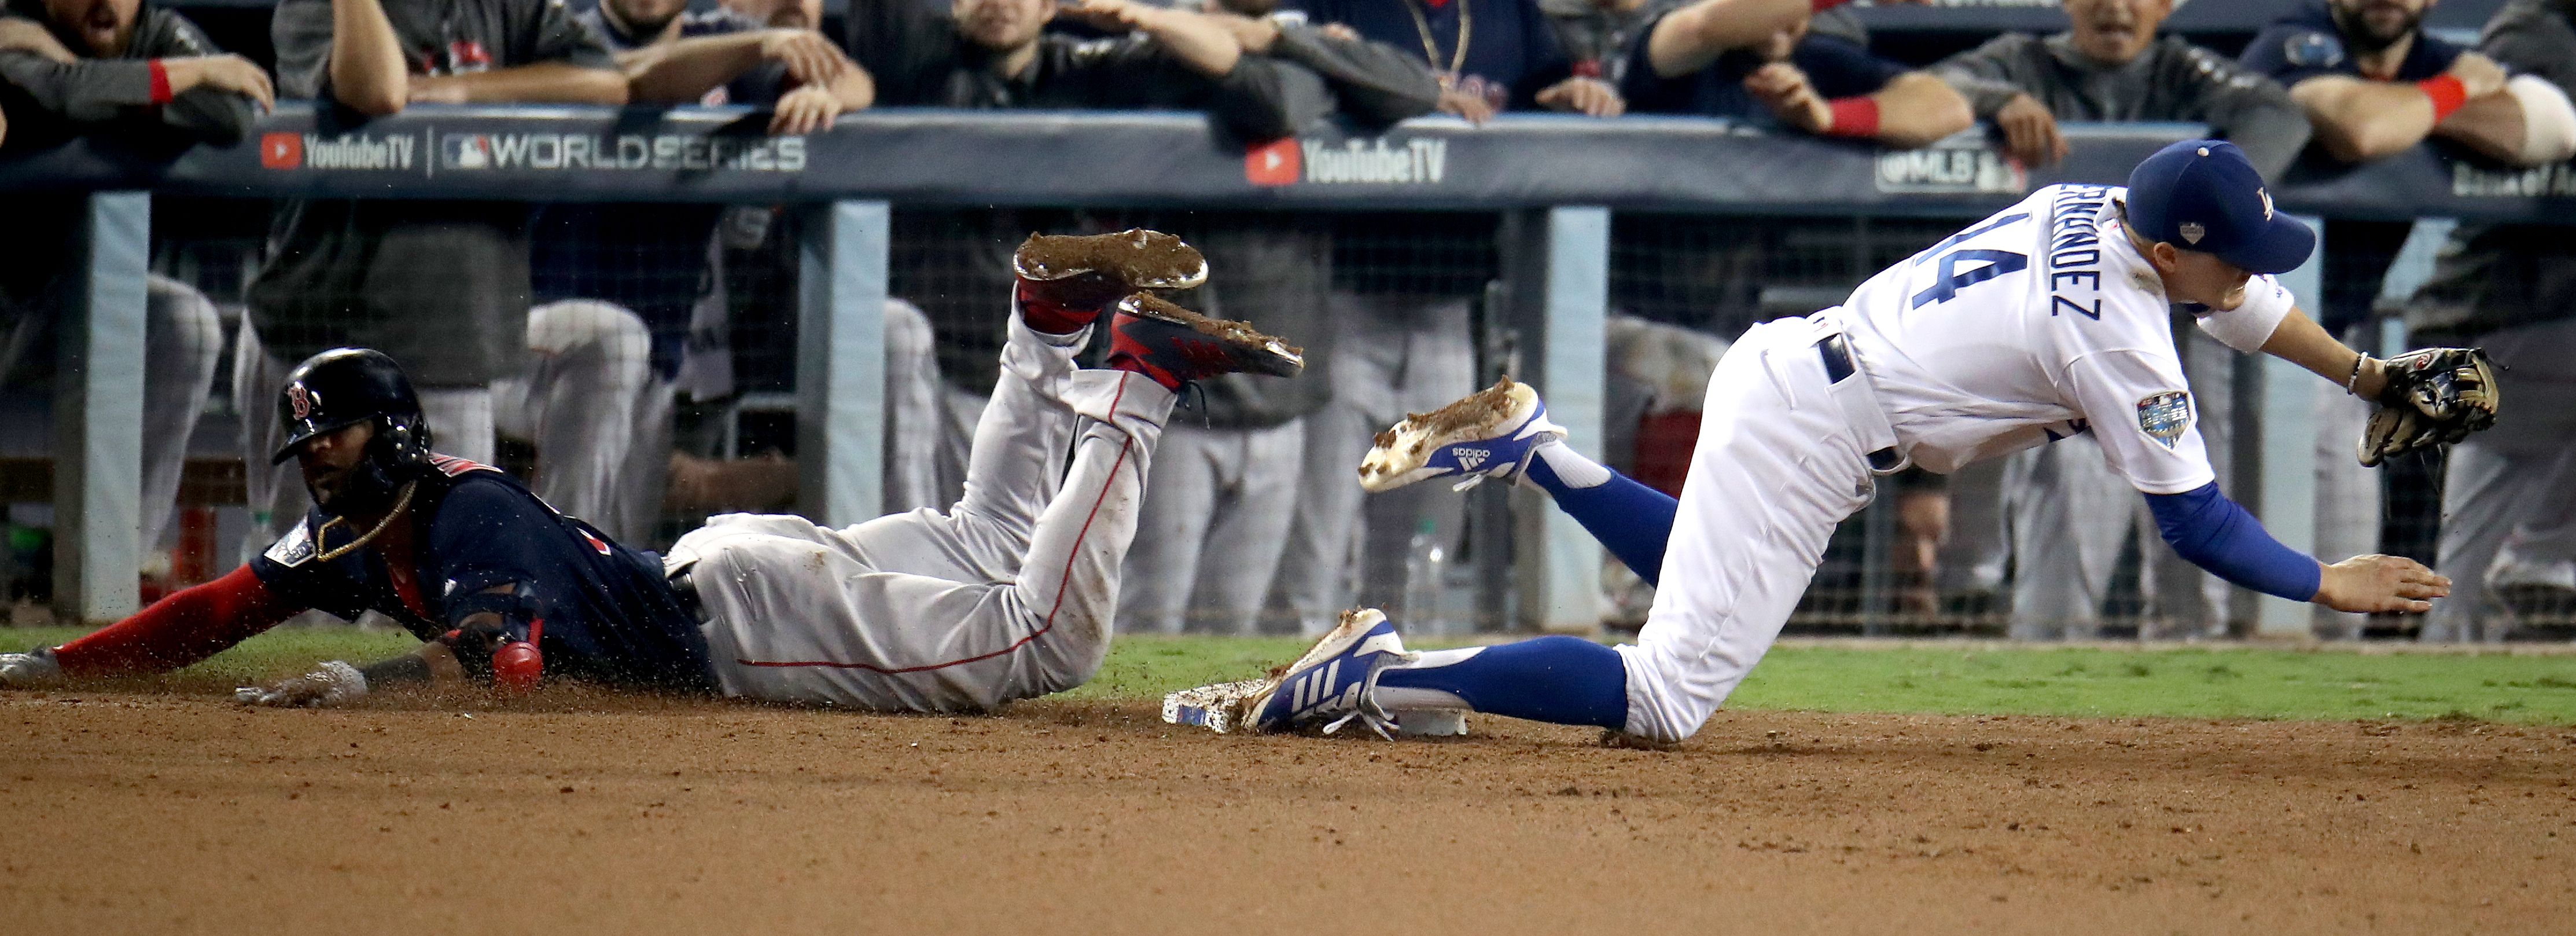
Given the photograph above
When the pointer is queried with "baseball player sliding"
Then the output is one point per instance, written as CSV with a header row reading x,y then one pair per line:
x,y
1005,596
2045,321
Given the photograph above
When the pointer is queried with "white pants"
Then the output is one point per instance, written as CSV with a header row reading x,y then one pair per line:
x,y
600,422
2509,493
183,341
1776,468
1393,355
1007,595
599,419
1214,523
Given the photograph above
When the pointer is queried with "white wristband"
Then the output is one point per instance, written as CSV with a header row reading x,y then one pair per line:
x,y
2246,327
346,682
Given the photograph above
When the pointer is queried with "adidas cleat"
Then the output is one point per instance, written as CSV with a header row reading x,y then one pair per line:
x,y
1327,686
1330,685
1491,433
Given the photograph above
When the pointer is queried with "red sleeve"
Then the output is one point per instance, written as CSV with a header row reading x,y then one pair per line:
x,y
188,626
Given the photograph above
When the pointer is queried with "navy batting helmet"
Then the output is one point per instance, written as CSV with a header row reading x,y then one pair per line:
x,y
343,387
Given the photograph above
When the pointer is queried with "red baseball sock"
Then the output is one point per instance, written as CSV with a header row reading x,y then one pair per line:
x,y
186,627
1060,307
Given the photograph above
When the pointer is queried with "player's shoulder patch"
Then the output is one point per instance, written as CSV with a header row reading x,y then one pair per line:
x,y
2165,416
2312,48
295,548
453,466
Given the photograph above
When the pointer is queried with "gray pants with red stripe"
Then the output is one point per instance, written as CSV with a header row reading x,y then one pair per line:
x,y
1006,595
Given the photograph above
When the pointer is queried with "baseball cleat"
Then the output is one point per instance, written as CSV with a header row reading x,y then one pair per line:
x,y
1492,433
1174,345
34,669
1331,684
1135,259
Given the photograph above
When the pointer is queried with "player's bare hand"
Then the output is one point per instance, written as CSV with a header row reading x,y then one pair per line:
x,y
1784,89
332,683
810,58
809,109
2478,74
1255,35
2030,132
1470,106
436,89
2376,583
231,73
25,35
1591,97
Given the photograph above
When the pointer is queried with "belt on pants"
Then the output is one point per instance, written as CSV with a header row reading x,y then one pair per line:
x,y
684,592
1851,389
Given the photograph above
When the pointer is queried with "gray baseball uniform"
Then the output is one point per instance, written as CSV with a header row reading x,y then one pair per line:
x,y
1007,595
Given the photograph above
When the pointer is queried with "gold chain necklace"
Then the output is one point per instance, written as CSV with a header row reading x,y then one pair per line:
x,y
400,503
1431,47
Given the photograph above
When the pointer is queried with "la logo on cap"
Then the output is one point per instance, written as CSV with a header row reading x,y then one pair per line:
x,y
2192,232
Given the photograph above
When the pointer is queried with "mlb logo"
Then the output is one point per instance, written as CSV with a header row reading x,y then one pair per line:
x,y
465,151
281,150
1274,163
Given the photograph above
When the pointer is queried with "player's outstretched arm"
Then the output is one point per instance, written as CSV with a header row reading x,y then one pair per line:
x,y
2217,534
186,627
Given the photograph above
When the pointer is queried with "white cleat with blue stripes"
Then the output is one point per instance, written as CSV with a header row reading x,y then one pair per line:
x,y
1491,433
1328,686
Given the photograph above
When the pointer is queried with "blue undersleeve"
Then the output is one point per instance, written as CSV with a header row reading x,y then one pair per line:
x,y
1566,680
2216,534
1631,520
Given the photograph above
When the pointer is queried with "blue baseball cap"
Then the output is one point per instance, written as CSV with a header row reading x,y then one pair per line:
x,y
2202,195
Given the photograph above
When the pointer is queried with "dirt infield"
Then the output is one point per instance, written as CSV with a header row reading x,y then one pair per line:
x,y
125,813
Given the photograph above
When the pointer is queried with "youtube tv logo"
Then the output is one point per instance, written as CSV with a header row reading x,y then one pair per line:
x,y
281,151
1277,162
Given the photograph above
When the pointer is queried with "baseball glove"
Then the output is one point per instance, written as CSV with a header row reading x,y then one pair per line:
x,y
2436,396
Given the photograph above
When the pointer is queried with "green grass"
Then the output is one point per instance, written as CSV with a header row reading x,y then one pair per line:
x,y
1984,680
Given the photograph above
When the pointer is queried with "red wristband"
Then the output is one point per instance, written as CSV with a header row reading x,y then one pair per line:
x,y
1853,117
1819,6
160,82
2447,94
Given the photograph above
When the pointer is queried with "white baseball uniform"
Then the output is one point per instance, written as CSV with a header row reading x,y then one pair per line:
x,y
2035,324
1007,595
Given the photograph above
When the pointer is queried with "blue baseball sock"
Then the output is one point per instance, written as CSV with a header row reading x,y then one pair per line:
x,y
1631,520
1566,680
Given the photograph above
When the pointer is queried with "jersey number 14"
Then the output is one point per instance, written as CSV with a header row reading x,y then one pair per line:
x,y
1947,280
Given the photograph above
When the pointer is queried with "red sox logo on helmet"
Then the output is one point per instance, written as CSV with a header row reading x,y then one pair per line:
x,y
301,400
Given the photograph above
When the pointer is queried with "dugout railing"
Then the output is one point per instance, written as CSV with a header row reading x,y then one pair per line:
x,y
1575,207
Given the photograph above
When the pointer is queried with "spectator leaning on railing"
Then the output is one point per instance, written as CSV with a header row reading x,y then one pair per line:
x,y
1596,34
443,286
74,67
1490,55
2110,66
2374,83
108,67
2509,502
625,281
1704,59
672,56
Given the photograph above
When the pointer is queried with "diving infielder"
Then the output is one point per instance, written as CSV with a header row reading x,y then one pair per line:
x,y
1005,596
2046,321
